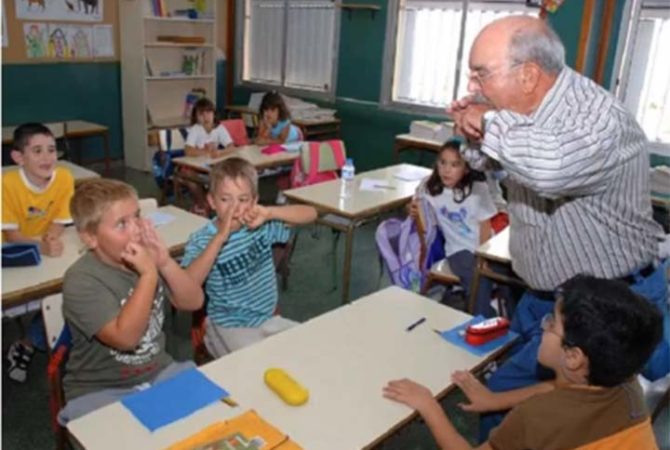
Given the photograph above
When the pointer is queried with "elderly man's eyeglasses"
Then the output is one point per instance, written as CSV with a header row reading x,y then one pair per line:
x,y
480,76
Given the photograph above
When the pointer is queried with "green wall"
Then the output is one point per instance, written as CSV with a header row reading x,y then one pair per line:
x,y
66,91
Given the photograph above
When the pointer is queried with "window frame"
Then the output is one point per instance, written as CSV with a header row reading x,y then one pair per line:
x,y
389,62
620,78
240,30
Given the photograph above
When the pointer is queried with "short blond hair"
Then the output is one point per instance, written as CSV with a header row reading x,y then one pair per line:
x,y
93,197
233,169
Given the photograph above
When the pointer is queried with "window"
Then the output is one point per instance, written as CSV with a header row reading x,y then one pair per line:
x,y
429,47
289,43
645,72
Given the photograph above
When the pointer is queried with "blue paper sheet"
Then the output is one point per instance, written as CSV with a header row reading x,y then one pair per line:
x,y
455,338
173,399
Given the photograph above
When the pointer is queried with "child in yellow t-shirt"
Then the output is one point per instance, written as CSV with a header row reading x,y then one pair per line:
x,y
35,208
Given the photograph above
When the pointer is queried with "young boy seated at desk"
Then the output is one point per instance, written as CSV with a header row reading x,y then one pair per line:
x,y
232,256
114,300
598,338
35,208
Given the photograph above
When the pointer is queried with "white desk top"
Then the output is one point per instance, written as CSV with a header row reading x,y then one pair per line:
x,y
326,196
343,357
497,248
251,153
79,173
409,137
20,284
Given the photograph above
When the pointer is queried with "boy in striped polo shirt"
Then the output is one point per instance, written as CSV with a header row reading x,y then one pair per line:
x,y
232,256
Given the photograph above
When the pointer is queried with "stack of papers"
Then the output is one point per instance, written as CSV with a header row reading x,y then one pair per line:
x,y
371,184
432,131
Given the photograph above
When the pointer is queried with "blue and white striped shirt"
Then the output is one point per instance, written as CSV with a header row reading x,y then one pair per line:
x,y
241,287
578,185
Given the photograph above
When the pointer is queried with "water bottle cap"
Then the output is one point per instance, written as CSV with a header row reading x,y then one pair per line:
x,y
350,161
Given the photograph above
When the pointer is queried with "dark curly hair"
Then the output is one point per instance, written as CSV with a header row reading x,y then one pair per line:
x,y
463,188
202,105
272,100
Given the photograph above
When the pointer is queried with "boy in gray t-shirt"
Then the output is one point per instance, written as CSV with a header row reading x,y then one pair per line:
x,y
114,300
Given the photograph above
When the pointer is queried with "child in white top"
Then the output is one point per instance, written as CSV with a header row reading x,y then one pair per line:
x,y
206,137
463,207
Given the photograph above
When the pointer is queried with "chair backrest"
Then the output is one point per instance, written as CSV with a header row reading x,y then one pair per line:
x,y
171,139
54,322
318,162
237,130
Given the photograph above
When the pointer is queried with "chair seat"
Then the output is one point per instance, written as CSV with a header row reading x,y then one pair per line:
x,y
443,273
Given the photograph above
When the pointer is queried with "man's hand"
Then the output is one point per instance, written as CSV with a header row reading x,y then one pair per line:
x,y
410,393
256,216
51,245
153,243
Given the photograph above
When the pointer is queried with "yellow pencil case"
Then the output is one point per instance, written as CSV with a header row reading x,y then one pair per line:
x,y
289,390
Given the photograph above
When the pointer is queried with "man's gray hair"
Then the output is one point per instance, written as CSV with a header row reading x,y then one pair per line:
x,y
540,45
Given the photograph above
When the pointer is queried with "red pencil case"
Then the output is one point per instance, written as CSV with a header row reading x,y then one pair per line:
x,y
272,149
486,331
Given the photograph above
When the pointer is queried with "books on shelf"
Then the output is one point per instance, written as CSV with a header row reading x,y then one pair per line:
x,y
178,39
193,96
193,61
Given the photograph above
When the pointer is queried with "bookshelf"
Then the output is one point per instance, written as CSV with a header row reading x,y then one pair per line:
x,y
158,69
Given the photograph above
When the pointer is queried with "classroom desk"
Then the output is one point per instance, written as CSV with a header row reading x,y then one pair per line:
x,y
251,153
71,129
318,128
79,173
408,142
343,357
23,284
495,250
360,207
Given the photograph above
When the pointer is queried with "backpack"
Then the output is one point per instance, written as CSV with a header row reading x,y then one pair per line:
x,y
399,247
318,162
162,167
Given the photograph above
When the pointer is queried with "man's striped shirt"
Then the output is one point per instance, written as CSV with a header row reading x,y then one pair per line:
x,y
241,287
578,185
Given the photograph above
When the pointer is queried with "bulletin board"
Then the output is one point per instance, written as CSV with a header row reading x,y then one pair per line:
x,y
76,33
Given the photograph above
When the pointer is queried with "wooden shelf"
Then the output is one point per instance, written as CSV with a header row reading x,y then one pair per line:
x,y
178,77
177,45
169,122
178,19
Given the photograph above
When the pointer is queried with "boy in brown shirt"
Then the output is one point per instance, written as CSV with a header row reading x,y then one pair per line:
x,y
598,337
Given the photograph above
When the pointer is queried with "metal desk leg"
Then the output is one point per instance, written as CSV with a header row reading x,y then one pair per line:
x,y
397,147
346,272
474,287
105,137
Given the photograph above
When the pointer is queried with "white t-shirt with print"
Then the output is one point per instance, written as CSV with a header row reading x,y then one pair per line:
x,y
198,137
459,222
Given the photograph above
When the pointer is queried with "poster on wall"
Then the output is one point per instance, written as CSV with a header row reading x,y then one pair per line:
x,y
69,41
36,37
74,10
103,41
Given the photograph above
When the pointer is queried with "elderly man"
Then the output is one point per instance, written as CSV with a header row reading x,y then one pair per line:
x,y
577,180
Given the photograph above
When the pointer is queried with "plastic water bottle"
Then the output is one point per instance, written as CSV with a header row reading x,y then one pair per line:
x,y
347,181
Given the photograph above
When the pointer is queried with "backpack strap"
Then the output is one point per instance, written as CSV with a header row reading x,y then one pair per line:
x,y
338,152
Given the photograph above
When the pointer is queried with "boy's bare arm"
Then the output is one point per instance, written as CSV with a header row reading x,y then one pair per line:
x,y
49,246
199,269
186,293
291,214
482,399
125,331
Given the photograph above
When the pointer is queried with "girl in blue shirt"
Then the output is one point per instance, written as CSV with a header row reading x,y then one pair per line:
x,y
275,124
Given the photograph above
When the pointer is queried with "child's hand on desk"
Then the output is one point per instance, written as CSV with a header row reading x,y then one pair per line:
x,y
256,216
153,243
413,208
410,393
481,398
138,258
51,245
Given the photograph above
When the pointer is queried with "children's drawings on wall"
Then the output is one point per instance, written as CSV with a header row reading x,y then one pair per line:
x,y
36,37
103,41
74,10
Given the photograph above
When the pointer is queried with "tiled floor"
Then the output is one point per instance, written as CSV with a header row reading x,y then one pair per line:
x,y
25,417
